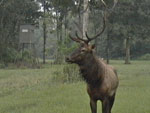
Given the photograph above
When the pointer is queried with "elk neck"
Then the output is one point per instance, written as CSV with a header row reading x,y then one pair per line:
x,y
92,69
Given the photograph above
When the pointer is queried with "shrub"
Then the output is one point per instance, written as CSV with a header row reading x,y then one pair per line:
x,y
21,59
8,55
64,49
72,73
69,74
26,59
145,57
2,65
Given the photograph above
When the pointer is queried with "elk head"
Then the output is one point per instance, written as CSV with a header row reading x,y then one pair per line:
x,y
85,49
80,54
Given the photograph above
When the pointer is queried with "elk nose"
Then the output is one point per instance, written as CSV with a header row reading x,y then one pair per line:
x,y
67,59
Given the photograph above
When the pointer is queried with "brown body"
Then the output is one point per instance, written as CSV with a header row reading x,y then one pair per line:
x,y
104,83
101,79
105,89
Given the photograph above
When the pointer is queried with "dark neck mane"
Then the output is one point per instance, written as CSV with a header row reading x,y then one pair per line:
x,y
92,70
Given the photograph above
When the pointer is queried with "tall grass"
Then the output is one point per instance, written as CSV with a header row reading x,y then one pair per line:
x,y
35,90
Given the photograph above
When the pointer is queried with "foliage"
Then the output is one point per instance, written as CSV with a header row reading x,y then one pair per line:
x,y
144,57
9,55
72,73
2,65
64,49
69,74
25,58
13,14
131,18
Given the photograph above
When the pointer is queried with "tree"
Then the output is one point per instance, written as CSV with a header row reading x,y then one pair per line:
x,y
85,17
109,13
126,20
62,10
131,19
44,32
13,13
127,57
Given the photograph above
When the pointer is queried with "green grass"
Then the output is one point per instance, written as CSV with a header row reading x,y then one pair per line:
x,y
35,91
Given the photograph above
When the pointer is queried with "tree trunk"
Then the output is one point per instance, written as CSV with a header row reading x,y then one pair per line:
x,y
58,38
44,43
108,28
44,37
97,39
107,49
96,42
65,27
80,19
85,18
127,58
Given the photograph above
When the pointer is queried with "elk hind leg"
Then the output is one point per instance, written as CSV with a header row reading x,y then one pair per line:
x,y
106,105
111,101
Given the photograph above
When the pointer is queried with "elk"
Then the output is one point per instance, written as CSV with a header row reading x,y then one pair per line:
x,y
102,80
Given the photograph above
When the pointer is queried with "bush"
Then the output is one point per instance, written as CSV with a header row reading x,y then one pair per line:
x,y
21,59
63,49
2,65
145,57
72,73
8,55
26,59
69,74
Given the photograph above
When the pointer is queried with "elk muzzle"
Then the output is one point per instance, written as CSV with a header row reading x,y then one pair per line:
x,y
68,59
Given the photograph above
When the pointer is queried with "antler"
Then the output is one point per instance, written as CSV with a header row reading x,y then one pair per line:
x,y
80,40
104,22
103,29
84,40
75,39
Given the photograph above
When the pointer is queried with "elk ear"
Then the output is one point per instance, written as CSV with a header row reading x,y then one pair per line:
x,y
93,46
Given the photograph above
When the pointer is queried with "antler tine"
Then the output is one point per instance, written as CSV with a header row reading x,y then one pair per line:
x,y
104,22
104,25
80,37
94,37
74,39
87,36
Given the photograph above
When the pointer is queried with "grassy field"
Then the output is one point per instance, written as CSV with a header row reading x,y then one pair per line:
x,y
35,91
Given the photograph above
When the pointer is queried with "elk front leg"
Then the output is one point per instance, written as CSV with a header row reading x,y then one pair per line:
x,y
93,105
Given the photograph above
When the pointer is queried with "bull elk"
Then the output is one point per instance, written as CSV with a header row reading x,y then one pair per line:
x,y
102,80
